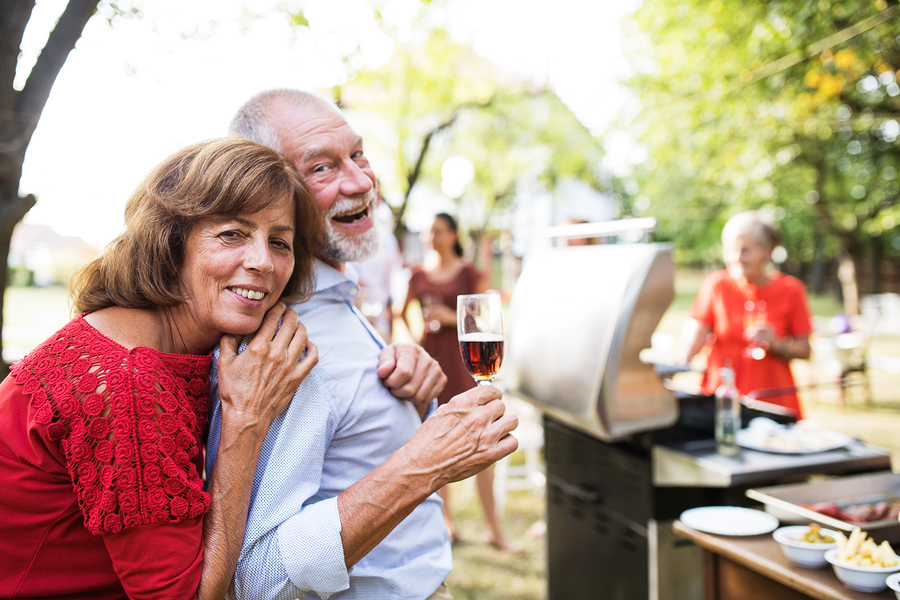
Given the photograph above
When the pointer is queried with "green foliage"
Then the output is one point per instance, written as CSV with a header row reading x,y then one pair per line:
x,y
767,104
438,99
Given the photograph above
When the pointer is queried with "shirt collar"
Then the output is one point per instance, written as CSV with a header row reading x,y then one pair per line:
x,y
328,278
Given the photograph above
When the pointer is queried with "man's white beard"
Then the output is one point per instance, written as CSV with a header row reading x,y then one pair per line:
x,y
342,247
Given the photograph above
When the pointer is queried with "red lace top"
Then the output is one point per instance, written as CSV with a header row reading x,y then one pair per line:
x,y
100,489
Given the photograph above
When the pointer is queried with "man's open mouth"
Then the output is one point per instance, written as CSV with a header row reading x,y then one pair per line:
x,y
352,217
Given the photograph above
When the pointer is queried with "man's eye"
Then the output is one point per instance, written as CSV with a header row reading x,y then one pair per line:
x,y
320,169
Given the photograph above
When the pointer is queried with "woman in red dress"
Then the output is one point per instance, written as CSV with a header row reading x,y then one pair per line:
x,y
101,425
752,318
435,286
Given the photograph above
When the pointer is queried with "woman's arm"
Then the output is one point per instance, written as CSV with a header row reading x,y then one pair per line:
x,y
405,308
790,347
696,334
255,387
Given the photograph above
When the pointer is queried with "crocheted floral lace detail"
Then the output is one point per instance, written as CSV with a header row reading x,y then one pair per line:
x,y
129,424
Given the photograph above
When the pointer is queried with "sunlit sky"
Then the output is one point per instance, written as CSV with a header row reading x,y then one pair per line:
x,y
131,94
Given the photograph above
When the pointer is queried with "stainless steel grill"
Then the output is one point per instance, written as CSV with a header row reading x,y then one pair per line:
x,y
579,318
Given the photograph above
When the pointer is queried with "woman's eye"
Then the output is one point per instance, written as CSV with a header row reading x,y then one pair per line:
x,y
230,235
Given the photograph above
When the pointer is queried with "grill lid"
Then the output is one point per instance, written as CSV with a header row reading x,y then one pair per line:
x,y
578,319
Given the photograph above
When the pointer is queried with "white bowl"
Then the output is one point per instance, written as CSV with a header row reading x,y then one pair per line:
x,y
805,554
861,579
893,582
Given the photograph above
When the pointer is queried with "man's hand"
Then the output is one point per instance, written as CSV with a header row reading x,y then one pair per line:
x,y
463,437
409,373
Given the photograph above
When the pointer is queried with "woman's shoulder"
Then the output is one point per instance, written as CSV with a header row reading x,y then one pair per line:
x,y
129,327
468,267
718,280
783,281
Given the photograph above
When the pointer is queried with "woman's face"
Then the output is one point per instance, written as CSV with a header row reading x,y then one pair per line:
x,y
746,256
441,238
235,270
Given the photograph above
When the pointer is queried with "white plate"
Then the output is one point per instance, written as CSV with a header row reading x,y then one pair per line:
x,y
822,441
729,520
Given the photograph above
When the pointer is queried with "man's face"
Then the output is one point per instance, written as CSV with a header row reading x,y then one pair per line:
x,y
329,156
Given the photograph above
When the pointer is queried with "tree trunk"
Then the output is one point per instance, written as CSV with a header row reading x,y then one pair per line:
x,y
21,110
817,275
12,211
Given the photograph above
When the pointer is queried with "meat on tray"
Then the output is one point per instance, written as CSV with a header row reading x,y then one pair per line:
x,y
865,512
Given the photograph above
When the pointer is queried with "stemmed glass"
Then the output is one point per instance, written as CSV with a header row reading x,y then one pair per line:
x,y
754,315
480,327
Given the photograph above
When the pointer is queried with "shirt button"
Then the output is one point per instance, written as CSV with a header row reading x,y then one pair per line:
x,y
354,290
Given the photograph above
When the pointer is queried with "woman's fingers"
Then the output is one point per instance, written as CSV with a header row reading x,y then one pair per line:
x,y
270,321
261,381
306,364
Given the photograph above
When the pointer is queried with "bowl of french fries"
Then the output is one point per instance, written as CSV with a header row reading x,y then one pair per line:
x,y
806,545
860,563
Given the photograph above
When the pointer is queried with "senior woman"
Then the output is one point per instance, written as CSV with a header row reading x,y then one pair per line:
x,y
755,319
101,425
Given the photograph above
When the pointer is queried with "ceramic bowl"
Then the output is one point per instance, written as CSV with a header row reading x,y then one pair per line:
x,y
804,554
861,579
893,582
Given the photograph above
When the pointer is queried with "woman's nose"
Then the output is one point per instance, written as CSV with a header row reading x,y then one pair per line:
x,y
259,257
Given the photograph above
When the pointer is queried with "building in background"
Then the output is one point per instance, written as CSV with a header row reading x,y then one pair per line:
x,y
38,256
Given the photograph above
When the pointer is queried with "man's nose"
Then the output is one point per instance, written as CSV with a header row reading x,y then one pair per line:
x,y
356,181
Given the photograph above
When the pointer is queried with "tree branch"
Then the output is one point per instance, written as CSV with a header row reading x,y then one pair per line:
x,y
14,15
413,175
33,97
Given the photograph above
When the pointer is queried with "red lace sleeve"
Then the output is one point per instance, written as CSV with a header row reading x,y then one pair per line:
x,y
128,422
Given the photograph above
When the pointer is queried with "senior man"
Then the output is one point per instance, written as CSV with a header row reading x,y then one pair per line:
x,y
344,501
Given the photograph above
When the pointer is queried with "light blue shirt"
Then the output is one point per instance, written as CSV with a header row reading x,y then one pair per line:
x,y
341,424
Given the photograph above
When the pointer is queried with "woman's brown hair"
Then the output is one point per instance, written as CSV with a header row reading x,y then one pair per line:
x,y
214,179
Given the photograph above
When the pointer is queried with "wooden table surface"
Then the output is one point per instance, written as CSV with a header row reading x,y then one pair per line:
x,y
762,554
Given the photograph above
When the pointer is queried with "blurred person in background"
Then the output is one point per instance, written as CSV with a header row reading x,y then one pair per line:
x,y
435,286
377,274
753,318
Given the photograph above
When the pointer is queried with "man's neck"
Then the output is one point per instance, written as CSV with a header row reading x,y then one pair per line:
x,y
333,264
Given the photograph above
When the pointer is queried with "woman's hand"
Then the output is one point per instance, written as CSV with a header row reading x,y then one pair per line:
x,y
443,314
257,385
762,335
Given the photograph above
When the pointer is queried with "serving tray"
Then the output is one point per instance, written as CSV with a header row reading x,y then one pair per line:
x,y
781,500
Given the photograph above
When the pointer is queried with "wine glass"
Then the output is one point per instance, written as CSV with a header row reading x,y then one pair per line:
x,y
754,315
480,327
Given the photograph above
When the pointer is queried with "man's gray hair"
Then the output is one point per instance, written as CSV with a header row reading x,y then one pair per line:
x,y
252,120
